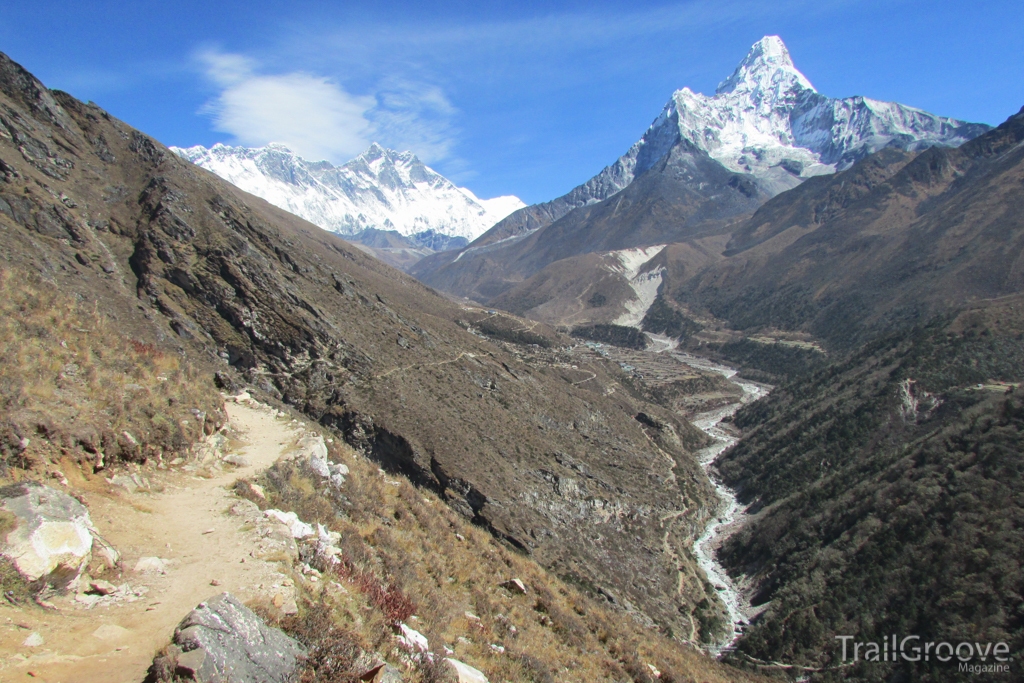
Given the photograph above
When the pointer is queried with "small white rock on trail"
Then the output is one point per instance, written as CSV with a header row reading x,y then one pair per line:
x,y
187,525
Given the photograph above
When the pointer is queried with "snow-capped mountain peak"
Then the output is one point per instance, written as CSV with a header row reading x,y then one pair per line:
x,y
380,188
767,66
767,120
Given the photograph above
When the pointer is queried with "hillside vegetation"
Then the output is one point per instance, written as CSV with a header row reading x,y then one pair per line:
x,y
889,495
71,383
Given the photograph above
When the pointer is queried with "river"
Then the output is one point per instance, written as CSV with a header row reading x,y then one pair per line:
x,y
731,513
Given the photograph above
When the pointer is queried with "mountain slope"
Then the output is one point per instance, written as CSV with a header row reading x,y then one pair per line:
x,y
765,122
686,192
380,189
538,443
894,239
888,487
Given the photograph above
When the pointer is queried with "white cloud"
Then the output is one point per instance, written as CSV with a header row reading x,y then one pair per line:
x,y
318,119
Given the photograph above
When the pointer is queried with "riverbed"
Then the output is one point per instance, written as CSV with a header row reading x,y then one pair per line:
x,y
730,513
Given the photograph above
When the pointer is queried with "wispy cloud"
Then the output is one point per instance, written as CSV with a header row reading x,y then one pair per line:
x,y
318,118
414,116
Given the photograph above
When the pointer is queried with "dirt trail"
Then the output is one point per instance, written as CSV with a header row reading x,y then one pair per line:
x,y
115,643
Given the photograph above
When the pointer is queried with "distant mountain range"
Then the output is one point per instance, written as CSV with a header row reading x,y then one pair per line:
x,y
704,163
381,190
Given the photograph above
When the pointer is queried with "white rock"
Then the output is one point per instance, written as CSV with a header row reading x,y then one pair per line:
x,y
326,537
315,449
33,640
466,673
151,565
237,460
337,481
52,538
298,528
412,640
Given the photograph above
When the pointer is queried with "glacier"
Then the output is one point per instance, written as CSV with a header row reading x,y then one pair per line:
x,y
380,189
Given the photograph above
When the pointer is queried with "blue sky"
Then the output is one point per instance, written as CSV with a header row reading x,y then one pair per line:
x,y
505,98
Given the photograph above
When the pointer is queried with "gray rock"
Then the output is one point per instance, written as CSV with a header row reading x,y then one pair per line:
x,y
319,465
222,640
53,538
237,460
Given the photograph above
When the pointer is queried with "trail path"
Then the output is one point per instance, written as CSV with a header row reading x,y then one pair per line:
x,y
463,354
116,643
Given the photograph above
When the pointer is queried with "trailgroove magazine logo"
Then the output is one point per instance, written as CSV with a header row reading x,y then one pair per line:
x,y
971,657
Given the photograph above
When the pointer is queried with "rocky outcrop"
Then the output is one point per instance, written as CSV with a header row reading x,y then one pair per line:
x,y
51,542
223,640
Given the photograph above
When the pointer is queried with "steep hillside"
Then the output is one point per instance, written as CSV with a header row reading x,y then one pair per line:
x,y
683,193
888,497
538,443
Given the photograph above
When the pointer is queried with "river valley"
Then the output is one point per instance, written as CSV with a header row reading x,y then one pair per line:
x,y
730,515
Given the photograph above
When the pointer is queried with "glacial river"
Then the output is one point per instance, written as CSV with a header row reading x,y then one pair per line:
x,y
730,514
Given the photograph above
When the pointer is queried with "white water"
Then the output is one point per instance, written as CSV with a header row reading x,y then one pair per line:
x,y
730,513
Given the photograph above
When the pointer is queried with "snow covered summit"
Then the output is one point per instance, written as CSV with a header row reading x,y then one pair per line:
x,y
766,67
768,115
767,119
379,189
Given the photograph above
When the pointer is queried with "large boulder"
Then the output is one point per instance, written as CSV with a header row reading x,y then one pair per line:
x,y
466,673
51,540
223,641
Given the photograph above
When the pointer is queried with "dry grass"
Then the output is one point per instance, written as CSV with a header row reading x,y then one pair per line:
x,y
71,381
407,544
